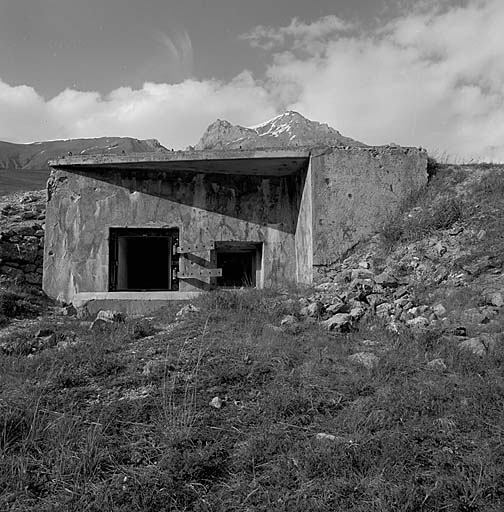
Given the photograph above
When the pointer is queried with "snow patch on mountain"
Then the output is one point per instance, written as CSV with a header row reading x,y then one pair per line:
x,y
288,130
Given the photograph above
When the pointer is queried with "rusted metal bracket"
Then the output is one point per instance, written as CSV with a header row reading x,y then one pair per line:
x,y
186,249
204,272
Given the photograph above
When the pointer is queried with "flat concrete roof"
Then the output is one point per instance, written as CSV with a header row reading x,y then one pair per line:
x,y
242,162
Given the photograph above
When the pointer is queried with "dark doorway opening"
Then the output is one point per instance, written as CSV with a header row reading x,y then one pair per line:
x,y
143,259
240,263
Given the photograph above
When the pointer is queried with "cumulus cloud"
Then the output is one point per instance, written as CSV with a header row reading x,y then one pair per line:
x,y
431,77
176,114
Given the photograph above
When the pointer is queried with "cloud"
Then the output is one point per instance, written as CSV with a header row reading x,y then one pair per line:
x,y
429,77
176,114
297,33
180,50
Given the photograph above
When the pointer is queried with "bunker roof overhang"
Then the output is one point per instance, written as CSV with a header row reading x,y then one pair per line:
x,y
239,162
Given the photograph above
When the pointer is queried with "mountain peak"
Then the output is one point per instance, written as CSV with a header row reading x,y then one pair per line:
x,y
290,129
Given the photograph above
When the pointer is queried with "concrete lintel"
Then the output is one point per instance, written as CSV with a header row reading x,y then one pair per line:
x,y
245,163
177,156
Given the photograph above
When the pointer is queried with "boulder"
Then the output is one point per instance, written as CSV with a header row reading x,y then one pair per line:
x,y
366,359
419,322
187,311
339,321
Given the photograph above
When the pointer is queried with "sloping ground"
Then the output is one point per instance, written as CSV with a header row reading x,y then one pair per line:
x,y
249,401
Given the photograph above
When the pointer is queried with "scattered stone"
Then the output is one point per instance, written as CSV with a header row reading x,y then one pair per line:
x,y
357,312
336,307
383,310
386,280
437,364
420,322
107,317
288,321
216,402
496,299
366,359
459,331
44,333
186,311
480,345
321,436
439,309
370,343
44,342
339,321
315,309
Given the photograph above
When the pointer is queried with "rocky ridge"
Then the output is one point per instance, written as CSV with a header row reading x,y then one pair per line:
x,y
290,129
35,156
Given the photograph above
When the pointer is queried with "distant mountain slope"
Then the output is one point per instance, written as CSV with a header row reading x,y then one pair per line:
x,y
290,129
35,156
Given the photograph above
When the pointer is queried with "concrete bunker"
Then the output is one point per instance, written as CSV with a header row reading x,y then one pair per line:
x,y
131,231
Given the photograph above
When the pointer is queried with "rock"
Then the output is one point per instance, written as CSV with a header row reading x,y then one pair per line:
x,y
459,331
336,307
110,316
480,345
361,273
288,320
363,264
186,311
375,299
366,359
370,343
439,309
383,310
386,280
338,321
315,309
106,317
474,316
420,322
437,364
216,402
44,342
473,345
43,333
321,436
496,299
357,312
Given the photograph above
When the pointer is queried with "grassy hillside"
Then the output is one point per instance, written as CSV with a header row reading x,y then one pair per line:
x,y
20,180
224,408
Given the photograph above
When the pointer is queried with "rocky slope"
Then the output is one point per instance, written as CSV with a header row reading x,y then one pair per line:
x,y
36,155
290,129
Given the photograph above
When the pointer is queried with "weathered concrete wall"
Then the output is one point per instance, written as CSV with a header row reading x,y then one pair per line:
x,y
304,230
355,190
205,207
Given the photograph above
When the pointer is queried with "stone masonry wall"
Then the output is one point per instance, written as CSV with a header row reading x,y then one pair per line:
x,y
22,223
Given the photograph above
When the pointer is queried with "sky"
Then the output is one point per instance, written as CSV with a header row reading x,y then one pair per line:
x,y
413,72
